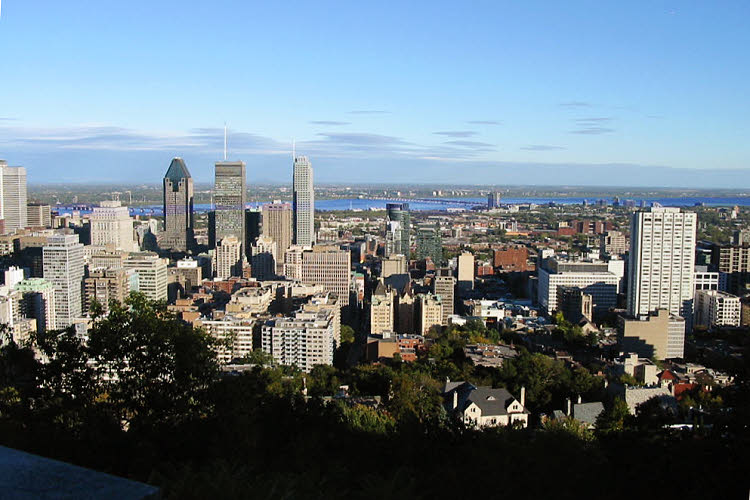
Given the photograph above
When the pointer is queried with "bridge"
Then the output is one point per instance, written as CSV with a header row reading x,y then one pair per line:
x,y
436,201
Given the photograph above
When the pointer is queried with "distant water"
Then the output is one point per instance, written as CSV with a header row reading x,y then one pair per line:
x,y
444,203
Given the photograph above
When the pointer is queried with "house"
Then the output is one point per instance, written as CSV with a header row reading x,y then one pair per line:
x,y
485,406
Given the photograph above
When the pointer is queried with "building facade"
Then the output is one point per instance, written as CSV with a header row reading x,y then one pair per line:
x,y
717,309
152,274
230,198
329,267
13,197
303,202
63,267
662,260
228,258
179,222
277,225
444,286
111,224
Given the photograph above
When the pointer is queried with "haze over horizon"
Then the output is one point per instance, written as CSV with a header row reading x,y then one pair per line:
x,y
586,94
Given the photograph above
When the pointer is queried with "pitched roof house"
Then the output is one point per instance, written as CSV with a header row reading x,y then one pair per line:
x,y
484,406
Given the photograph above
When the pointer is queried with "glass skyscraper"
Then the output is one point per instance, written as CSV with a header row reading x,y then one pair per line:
x,y
399,212
230,198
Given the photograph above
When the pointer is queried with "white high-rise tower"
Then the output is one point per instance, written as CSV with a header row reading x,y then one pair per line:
x,y
13,197
62,259
304,202
662,257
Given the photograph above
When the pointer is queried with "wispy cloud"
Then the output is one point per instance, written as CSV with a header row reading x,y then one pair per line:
x,y
596,119
329,122
483,122
457,133
541,147
575,104
7,119
368,112
593,130
479,146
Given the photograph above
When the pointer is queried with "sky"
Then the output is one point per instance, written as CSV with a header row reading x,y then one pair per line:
x,y
651,93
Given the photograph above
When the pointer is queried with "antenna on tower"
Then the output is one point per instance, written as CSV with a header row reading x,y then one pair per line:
x,y
225,141
294,148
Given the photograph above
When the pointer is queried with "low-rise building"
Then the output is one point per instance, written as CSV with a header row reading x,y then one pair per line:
x,y
485,406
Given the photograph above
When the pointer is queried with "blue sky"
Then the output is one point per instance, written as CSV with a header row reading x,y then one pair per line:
x,y
633,93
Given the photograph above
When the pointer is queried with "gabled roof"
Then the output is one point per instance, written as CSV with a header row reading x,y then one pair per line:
x,y
490,401
177,170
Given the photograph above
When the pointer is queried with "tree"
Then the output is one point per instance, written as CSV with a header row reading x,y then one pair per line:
x,y
347,334
613,418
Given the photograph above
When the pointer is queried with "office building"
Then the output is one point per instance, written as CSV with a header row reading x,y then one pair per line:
x,y
399,228
103,286
429,312
293,263
662,259
329,267
734,262
574,304
595,278
303,202
252,229
512,258
228,258
179,224
613,243
152,274
38,302
13,197
465,272
62,259
714,308
277,225
657,335
264,258
38,215
394,264
382,309
111,224
230,198
493,200
444,286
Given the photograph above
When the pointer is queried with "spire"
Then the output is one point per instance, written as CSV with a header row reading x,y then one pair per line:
x,y
225,141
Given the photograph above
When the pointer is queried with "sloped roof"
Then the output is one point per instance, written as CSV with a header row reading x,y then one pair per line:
x,y
587,412
490,401
177,170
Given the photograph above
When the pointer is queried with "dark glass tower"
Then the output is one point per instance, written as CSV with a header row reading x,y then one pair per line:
x,y
178,232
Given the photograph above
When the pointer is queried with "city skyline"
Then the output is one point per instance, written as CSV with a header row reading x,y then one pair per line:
x,y
597,95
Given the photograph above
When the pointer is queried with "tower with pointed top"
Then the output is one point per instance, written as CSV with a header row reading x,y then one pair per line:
x,y
303,202
178,232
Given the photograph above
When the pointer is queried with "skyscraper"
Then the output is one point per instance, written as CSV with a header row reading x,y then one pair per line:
x,y
230,198
13,197
277,225
304,202
63,267
399,213
662,257
430,243
178,232
111,224
152,274
330,267
444,286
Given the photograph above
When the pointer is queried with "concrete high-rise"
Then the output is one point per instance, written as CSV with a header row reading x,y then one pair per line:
x,y
105,285
38,215
330,267
111,224
662,258
465,272
230,198
178,234
444,286
13,197
62,259
228,258
277,225
304,202
264,263
152,274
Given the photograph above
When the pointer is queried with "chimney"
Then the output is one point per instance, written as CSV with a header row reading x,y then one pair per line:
x,y
523,396
455,399
568,411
